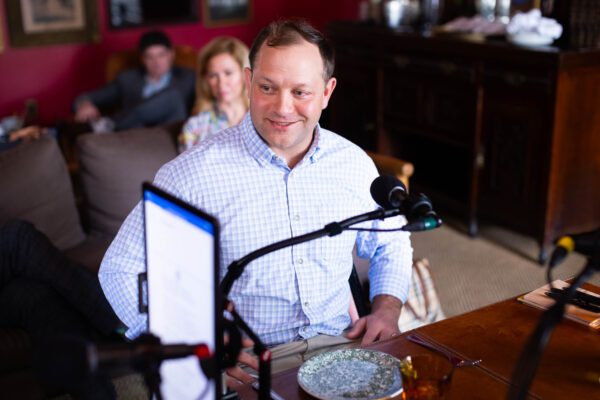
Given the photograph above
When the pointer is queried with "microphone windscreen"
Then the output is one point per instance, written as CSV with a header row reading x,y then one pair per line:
x,y
382,188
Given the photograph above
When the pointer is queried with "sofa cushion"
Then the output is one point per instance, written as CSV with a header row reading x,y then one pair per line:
x,y
36,187
113,167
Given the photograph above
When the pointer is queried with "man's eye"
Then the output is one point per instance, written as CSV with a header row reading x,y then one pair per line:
x,y
266,89
300,93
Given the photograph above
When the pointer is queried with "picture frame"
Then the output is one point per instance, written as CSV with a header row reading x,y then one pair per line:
x,y
226,12
1,37
123,14
40,23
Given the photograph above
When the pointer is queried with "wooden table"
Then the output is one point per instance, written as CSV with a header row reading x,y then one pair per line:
x,y
569,369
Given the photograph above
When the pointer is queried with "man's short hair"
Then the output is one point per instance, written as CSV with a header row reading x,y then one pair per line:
x,y
293,31
153,38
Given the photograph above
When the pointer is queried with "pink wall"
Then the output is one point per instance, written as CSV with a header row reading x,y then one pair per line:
x,y
55,75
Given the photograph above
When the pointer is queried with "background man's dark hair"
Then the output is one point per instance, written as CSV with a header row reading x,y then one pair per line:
x,y
152,38
293,31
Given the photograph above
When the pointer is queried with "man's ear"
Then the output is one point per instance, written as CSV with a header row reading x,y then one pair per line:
x,y
329,86
248,79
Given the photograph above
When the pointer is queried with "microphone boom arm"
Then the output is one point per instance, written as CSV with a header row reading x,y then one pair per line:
x,y
531,354
236,268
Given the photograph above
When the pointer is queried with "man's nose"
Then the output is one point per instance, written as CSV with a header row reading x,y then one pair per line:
x,y
284,103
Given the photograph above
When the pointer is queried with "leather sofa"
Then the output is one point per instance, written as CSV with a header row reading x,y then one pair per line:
x,y
80,211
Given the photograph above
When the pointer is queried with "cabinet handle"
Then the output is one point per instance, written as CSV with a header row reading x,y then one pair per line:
x,y
401,62
447,67
515,79
480,159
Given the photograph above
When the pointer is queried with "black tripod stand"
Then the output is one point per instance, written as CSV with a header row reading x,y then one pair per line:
x,y
529,359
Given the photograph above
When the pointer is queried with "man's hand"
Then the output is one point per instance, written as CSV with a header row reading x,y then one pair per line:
x,y
27,133
237,374
86,111
381,324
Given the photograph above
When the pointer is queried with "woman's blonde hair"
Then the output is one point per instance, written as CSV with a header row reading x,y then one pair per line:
x,y
219,45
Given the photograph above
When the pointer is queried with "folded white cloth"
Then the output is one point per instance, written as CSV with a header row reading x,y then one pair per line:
x,y
476,24
533,22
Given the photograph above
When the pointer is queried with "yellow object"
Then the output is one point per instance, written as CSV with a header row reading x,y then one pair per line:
x,y
567,243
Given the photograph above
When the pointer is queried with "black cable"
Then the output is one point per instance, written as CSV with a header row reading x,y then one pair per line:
x,y
375,230
549,277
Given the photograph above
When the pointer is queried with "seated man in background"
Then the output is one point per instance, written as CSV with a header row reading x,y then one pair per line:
x,y
155,94
276,175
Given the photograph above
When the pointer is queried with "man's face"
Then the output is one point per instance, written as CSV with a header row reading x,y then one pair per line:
x,y
158,60
287,94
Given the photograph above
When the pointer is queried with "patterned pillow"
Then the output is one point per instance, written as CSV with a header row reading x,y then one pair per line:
x,y
423,305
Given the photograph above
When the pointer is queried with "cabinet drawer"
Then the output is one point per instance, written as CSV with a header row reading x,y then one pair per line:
x,y
440,68
517,78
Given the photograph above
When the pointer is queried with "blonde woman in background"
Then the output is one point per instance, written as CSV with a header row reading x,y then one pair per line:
x,y
221,99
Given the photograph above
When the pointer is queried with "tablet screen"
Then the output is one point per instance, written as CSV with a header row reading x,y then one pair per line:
x,y
181,257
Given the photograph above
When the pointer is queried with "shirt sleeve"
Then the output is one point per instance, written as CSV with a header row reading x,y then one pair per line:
x,y
390,255
124,260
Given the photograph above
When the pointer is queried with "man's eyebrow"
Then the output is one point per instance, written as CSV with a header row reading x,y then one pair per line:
x,y
299,85
264,79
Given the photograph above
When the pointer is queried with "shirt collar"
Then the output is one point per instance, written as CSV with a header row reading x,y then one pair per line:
x,y
256,146
216,114
162,82
261,151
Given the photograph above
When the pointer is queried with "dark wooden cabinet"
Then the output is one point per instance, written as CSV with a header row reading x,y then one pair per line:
x,y
507,133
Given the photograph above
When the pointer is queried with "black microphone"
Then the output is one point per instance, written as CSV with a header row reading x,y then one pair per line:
x,y
585,243
388,191
69,360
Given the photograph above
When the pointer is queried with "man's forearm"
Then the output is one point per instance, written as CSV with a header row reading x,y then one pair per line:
x,y
387,303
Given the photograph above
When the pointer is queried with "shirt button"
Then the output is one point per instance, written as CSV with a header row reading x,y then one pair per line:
x,y
300,261
306,304
296,217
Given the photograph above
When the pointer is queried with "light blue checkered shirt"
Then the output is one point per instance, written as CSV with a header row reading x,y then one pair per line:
x,y
296,292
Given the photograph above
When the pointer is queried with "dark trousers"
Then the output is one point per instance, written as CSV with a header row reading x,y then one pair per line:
x,y
164,107
48,295
42,291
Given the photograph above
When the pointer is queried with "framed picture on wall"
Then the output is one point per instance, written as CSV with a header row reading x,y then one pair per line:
x,y
1,37
47,22
134,13
226,12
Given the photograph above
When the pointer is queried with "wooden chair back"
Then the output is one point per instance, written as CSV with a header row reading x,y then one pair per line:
x,y
185,56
